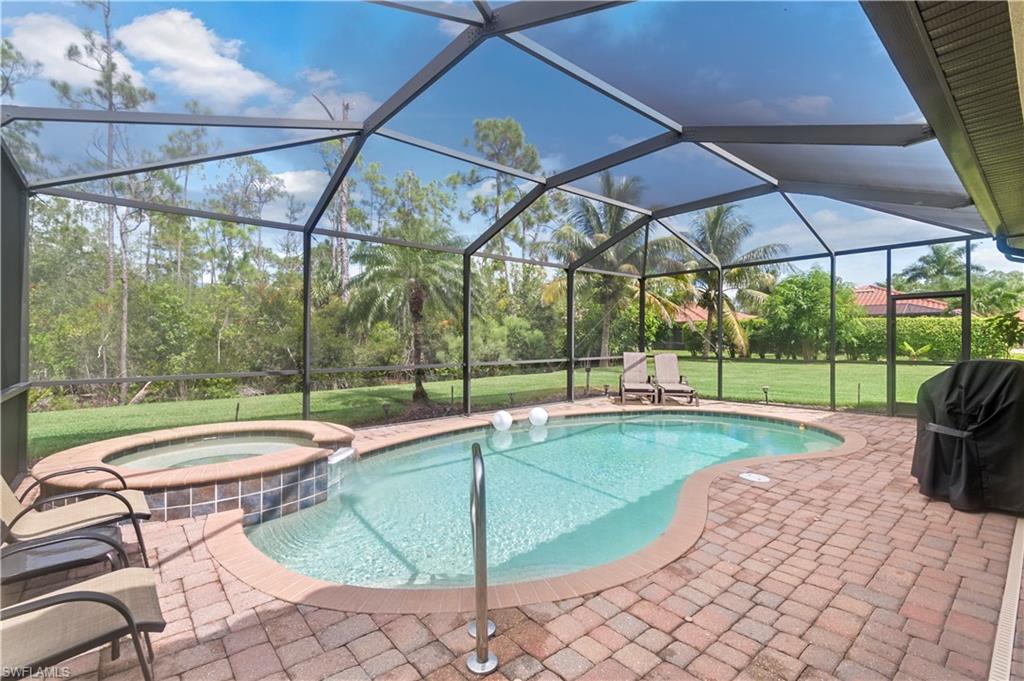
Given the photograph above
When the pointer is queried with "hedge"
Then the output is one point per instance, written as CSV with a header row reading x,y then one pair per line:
x,y
990,337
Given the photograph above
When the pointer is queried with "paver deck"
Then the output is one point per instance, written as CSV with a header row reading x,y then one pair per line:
x,y
837,568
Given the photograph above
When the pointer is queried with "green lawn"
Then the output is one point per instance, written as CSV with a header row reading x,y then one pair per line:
x,y
788,382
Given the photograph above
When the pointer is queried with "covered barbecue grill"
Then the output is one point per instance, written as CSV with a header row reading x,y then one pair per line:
x,y
970,436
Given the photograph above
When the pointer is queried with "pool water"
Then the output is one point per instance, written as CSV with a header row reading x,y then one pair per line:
x,y
575,494
217,449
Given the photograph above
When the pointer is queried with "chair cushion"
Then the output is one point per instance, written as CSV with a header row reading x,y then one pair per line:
x,y
42,635
98,510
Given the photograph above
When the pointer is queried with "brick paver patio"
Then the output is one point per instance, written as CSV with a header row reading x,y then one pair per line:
x,y
837,568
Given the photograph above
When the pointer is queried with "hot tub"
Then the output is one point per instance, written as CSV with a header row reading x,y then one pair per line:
x,y
266,468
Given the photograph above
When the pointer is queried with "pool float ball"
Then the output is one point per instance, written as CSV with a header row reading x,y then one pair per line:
x,y
803,427
538,434
502,420
538,416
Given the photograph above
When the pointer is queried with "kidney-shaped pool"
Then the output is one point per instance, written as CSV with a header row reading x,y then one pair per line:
x,y
577,493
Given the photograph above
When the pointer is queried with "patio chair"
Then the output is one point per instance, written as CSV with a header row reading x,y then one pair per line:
x,y
54,627
97,507
670,381
634,379
31,558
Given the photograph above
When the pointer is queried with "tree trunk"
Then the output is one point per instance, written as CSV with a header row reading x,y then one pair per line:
x,y
416,301
110,209
606,326
343,259
707,330
122,360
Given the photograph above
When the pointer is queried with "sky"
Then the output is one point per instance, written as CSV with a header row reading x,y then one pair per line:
x,y
701,63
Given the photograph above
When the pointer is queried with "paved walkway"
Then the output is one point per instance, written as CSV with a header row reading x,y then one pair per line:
x,y
837,568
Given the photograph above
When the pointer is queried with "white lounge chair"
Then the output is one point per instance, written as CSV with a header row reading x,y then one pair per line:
x,y
670,381
634,379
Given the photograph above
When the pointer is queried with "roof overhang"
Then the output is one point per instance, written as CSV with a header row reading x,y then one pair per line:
x,y
963,63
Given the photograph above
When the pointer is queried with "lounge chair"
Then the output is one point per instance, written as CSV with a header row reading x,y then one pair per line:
x,y
59,552
54,627
634,379
98,507
670,381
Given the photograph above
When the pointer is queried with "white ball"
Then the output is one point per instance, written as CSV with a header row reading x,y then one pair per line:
x,y
538,416
538,434
502,420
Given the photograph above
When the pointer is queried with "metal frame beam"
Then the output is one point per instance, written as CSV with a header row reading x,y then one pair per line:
x,y
711,201
691,244
900,28
583,76
11,113
624,155
444,61
508,216
526,14
337,177
255,222
425,10
457,155
884,135
184,161
611,242
908,216
851,192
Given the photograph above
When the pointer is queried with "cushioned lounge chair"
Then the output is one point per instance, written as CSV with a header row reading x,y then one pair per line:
x,y
49,629
670,381
97,507
634,379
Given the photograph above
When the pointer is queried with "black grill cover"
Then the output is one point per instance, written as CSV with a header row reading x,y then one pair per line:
x,y
970,436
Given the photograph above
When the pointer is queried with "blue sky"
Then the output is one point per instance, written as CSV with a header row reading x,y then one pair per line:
x,y
803,62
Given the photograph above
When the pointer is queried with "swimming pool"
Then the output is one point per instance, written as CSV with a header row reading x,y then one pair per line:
x,y
578,493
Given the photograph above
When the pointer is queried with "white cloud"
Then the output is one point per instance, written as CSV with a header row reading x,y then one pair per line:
x,y
305,185
549,165
484,189
450,28
806,105
361,105
46,37
193,59
319,78
911,117
754,110
621,141
759,111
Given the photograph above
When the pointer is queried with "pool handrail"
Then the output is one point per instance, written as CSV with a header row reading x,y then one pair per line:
x,y
480,660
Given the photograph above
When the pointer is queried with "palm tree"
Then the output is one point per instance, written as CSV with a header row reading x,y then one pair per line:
x,y
591,224
720,232
396,282
940,269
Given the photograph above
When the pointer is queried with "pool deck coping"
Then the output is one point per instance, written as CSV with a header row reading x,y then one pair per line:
x,y
328,436
229,545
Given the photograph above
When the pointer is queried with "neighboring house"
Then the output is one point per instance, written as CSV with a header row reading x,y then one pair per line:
x,y
873,299
693,313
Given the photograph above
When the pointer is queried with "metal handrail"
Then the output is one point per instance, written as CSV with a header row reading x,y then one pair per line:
x,y
481,660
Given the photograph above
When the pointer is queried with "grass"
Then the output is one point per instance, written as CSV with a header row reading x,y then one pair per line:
x,y
788,382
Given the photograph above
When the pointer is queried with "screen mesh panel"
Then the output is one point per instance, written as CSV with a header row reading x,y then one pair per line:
x,y
562,123
739,63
